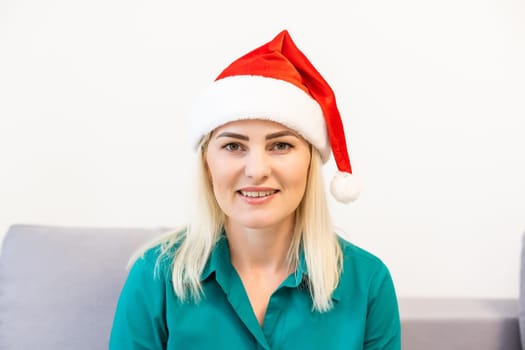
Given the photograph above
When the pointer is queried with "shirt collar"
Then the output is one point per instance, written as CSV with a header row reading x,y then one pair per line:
x,y
219,263
300,277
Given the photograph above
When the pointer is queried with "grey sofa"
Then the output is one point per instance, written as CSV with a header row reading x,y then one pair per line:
x,y
59,287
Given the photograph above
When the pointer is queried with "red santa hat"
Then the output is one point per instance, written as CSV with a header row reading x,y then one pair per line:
x,y
277,82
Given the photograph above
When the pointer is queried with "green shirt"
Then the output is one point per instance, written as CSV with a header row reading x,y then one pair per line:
x,y
150,316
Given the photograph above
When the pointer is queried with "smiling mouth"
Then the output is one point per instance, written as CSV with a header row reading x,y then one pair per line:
x,y
257,194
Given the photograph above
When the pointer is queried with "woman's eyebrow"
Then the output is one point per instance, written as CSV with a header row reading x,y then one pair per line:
x,y
280,134
267,137
233,135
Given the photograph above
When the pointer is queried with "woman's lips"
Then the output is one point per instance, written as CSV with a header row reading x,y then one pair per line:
x,y
257,195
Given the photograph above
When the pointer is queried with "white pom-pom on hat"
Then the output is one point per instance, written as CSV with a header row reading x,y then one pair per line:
x,y
277,82
345,187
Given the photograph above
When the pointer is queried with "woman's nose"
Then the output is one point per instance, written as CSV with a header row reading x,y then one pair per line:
x,y
257,165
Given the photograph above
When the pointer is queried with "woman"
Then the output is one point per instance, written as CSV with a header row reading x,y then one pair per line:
x,y
259,266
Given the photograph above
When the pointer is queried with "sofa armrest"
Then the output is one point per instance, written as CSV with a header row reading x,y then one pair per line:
x,y
459,324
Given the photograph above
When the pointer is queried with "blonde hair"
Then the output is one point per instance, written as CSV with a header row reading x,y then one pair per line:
x,y
313,233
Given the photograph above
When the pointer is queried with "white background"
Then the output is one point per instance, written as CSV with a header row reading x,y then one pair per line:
x,y
92,132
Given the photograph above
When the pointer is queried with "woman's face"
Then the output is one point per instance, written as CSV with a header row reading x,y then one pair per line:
x,y
259,171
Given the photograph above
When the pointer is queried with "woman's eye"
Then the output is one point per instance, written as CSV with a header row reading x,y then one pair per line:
x,y
281,146
232,147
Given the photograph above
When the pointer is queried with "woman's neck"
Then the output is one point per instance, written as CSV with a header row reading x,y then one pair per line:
x,y
262,249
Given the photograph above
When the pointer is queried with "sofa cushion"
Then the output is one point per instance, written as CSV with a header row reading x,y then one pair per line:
x,y
59,285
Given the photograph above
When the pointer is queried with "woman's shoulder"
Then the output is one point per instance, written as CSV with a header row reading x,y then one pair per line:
x,y
364,272
359,258
158,254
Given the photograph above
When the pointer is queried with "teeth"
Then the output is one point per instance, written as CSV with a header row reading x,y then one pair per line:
x,y
257,194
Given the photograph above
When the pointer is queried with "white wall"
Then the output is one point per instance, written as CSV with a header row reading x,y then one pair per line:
x,y
93,94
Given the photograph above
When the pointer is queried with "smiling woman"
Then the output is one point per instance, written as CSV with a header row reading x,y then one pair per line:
x,y
259,265
258,169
